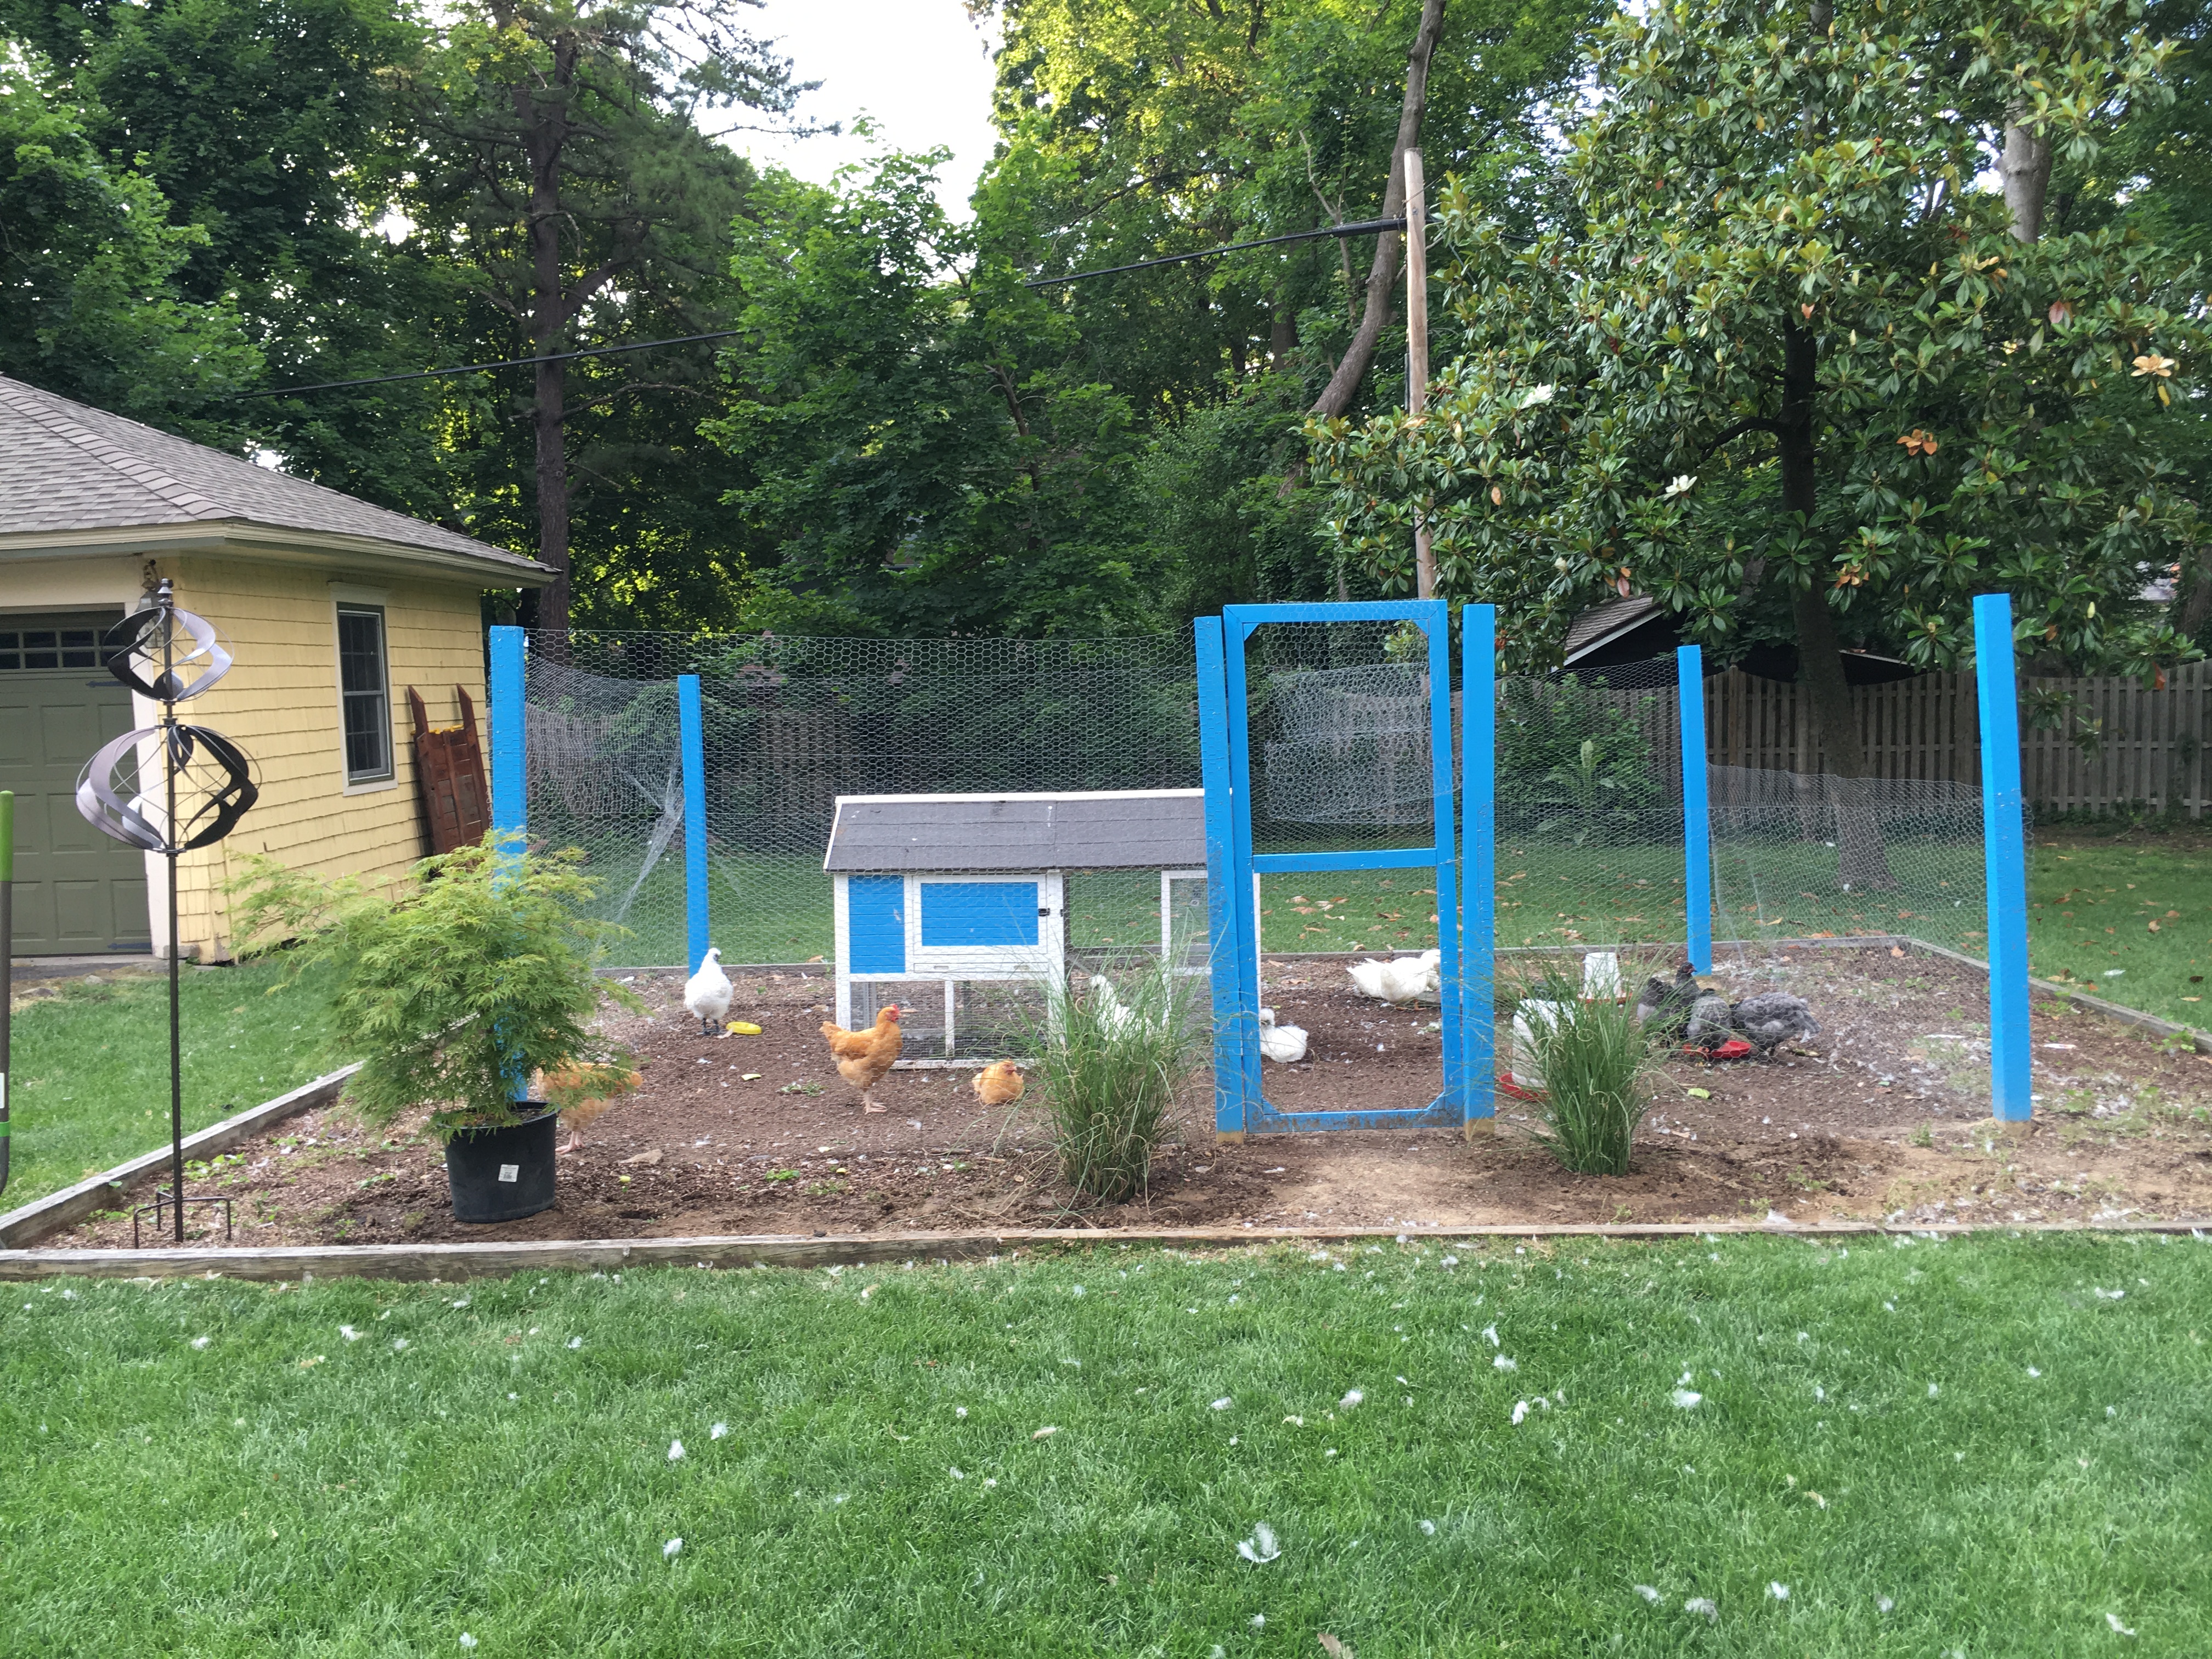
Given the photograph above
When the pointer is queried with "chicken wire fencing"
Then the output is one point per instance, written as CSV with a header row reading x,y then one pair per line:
x,y
1589,815
1589,808
1823,886
789,724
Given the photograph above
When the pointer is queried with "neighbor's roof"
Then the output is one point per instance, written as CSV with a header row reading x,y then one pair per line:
x,y
1103,830
1603,624
65,466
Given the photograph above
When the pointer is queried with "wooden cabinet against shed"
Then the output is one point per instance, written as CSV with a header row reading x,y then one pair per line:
x,y
449,777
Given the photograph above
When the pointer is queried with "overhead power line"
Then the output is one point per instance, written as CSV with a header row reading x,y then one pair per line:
x,y
505,362
1364,227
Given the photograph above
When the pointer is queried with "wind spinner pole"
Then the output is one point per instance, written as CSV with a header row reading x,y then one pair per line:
x,y
206,787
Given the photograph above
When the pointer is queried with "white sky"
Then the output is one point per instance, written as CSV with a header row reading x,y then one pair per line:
x,y
918,68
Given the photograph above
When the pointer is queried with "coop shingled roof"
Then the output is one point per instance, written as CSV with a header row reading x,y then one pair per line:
x,y
1102,829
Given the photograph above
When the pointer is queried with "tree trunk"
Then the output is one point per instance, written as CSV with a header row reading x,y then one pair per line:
x,y
1861,859
545,131
1336,397
2026,168
1282,334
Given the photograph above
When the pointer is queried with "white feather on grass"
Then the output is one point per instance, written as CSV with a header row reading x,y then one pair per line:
x,y
1261,1547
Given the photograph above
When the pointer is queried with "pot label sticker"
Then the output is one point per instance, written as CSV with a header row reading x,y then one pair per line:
x,y
510,1172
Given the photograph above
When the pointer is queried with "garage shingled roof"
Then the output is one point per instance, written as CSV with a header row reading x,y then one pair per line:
x,y
68,466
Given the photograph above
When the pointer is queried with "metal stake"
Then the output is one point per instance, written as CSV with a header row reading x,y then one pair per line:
x,y
166,599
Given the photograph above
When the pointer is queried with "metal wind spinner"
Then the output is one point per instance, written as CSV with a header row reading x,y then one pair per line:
x,y
170,787
167,789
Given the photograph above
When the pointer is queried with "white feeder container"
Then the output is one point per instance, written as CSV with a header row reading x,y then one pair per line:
x,y
1600,976
1526,1071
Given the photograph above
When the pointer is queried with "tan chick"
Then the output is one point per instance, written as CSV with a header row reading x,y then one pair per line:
x,y
583,1093
864,1057
999,1084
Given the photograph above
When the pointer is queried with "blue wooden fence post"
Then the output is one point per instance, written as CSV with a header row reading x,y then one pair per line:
x,y
2004,855
1227,906
1478,1016
691,722
1697,830
510,791
510,778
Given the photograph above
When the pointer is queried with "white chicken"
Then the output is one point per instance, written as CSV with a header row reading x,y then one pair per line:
x,y
1113,1018
1284,1044
1401,979
706,993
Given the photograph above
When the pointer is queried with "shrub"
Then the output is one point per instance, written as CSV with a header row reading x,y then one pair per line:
x,y
1109,1065
1594,1057
453,986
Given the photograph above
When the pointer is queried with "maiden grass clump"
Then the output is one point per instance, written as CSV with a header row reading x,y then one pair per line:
x,y
1110,1061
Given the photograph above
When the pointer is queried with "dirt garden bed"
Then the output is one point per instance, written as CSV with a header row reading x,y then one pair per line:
x,y
1885,1114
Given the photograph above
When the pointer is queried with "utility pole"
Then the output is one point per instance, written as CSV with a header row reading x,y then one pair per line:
x,y
1417,347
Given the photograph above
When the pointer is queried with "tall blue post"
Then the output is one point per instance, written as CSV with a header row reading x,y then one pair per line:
x,y
1697,824
510,794
1228,908
691,723
1478,1017
510,779
2004,855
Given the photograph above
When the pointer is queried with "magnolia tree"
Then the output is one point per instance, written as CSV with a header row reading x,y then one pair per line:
x,y
1790,366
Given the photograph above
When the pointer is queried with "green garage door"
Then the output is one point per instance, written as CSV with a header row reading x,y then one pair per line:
x,y
76,891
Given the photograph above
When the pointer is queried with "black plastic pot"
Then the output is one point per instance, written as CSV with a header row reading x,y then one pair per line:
x,y
503,1175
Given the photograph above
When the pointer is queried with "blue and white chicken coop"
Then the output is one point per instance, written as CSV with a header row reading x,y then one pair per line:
x,y
957,908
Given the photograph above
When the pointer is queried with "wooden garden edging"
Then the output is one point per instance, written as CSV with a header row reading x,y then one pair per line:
x,y
55,1211
454,1262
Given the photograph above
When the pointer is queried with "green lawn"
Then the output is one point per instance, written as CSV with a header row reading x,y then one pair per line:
x,y
89,1082
1971,1447
2129,922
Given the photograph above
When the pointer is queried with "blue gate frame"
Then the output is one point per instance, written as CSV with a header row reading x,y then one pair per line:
x,y
1239,1103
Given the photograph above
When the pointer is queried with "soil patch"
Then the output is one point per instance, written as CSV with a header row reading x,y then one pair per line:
x,y
1884,1114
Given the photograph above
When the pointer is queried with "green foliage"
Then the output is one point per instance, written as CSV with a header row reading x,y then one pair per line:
x,y
1594,1059
453,988
1109,1064
1784,343
928,449
1570,742
93,301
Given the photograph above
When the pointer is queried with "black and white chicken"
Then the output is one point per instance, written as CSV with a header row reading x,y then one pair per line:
x,y
1711,1022
1669,1004
1772,1018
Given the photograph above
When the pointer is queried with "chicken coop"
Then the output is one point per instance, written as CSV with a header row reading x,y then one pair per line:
x,y
962,909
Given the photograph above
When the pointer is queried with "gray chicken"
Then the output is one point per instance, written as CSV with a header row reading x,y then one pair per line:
x,y
1712,1022
1774,1018
1666,1004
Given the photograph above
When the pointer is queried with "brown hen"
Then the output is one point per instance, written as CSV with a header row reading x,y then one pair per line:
x,y
864,1057
999,1084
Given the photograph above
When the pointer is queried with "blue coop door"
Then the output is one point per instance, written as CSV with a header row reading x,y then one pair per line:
x,y
876,906
972,914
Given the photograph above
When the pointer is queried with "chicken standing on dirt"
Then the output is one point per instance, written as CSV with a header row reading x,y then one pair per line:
x,y
582,1094
999,1084
1773,1017
706,993
864,1058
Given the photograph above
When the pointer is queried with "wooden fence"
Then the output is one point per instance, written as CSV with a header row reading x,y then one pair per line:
x,y
2096,744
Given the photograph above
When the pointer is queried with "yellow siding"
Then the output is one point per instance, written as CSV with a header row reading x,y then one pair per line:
x,y
280,703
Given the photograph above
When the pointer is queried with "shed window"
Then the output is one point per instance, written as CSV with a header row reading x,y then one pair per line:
x,y
364,692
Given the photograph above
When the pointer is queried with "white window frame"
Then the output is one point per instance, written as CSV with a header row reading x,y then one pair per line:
x,y
376,601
